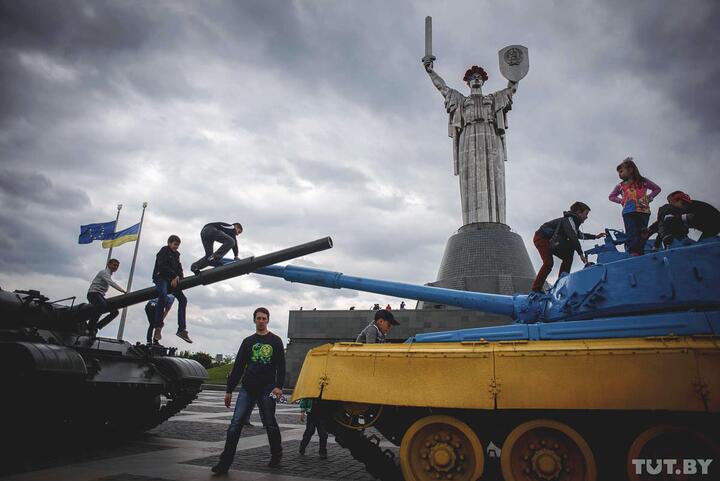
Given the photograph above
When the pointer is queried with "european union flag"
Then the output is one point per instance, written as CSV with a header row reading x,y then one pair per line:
x,y
91,232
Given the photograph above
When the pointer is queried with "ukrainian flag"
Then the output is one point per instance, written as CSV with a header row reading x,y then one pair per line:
x,y
119,238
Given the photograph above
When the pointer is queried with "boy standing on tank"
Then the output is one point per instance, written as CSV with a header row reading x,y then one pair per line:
x,y
96,294
565,233
166,274
260,365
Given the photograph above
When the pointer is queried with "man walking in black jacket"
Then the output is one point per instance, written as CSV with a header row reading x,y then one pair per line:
x,y
166,275
260,364
220,232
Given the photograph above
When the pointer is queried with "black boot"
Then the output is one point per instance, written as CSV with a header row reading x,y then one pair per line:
x,y
275,441
303,445
323,448
196,267
226,457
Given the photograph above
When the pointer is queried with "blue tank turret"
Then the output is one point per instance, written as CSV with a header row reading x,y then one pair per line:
x,y
673,291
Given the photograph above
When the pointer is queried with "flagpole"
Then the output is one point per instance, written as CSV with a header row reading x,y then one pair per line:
x,y
121,328
116,223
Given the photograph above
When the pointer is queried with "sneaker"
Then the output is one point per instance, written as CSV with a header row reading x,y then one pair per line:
x,y
220,468
275,461
323,454
157,344
184,336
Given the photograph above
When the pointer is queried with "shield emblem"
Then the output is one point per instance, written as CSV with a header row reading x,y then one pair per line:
x,y
514,62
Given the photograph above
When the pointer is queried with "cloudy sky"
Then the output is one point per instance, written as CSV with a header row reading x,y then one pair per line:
x,y
302,119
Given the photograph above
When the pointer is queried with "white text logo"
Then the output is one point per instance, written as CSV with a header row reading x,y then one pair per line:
x,y
671,466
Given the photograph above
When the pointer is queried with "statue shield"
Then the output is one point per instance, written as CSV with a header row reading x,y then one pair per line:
x,y
514,62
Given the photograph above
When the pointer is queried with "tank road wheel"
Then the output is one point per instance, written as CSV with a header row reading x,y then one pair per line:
x,y
670,442
546,450
441,447
357,416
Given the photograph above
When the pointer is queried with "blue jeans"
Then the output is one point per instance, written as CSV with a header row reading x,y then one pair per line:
x,y
635,222
246,399
162,286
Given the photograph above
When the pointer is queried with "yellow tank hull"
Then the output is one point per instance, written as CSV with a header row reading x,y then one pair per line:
x,y
659,391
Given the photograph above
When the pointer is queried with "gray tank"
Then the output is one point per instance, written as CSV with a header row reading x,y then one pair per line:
x,y
56,373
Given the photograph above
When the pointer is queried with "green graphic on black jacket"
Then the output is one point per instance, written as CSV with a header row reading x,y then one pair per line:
x,y
262,353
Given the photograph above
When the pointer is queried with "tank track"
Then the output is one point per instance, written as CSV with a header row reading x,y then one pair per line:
x,y
180,400
379,462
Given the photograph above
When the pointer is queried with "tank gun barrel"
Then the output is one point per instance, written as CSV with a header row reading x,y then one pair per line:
x,y
494,303
227,271
30,308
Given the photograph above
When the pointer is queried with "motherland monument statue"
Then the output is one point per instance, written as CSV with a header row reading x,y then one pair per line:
x,y
477,125
484,255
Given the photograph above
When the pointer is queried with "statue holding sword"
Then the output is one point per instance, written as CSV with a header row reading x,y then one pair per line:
x,y
477,125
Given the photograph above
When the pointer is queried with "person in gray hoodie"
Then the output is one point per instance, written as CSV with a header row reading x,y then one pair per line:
x,y
96,295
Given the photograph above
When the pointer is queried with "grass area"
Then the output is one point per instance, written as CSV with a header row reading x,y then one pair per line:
x,y
219,375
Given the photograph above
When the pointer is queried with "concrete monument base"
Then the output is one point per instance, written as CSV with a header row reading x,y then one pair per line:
x,y
485,257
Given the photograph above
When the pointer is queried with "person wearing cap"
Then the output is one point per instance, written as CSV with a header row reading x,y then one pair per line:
x,y
376,331
696,214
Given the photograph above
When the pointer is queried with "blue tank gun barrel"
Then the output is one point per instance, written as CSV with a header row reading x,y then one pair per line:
x,y
494,303
664,281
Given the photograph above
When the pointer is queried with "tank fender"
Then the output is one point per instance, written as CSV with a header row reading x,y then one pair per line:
x,y
179,368
22,358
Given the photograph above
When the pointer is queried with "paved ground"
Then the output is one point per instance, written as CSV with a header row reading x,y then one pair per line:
x,y
184,448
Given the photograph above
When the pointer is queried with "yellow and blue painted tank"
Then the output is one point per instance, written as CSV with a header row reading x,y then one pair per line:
x,y
613,374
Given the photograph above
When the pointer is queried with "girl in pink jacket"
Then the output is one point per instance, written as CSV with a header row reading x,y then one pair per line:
x,y
632,194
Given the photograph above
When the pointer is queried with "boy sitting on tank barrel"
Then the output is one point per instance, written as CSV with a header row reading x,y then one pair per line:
x,y
166,274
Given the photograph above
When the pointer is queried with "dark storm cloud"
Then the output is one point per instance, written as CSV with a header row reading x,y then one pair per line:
x,y
306,119
676,48
18,189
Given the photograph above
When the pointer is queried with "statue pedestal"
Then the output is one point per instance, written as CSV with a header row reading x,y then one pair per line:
x,y
484,257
